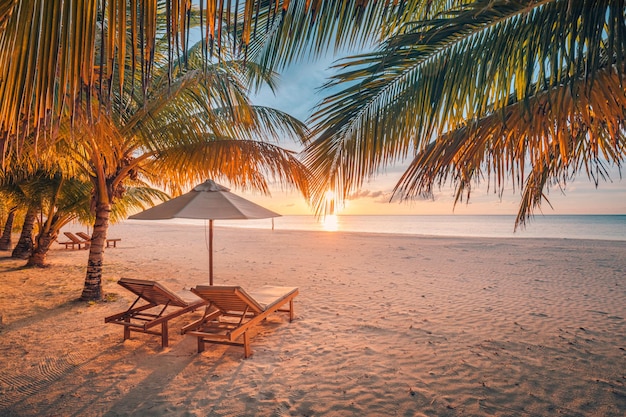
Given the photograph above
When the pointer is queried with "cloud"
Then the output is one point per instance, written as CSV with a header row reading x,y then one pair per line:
x,y
379,196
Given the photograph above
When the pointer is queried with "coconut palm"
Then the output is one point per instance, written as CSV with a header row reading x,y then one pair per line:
x,y
137,110
527,91
69,199
10,204
24,246
60,201
7,230
190,124
53,201
36,194
14,185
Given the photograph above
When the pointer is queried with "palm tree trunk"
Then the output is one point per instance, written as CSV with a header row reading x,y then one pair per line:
x,y
5,240
25,243
92,291
40,250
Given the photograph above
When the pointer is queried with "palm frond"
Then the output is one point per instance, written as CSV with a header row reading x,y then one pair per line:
x,y
555,135
6,9
309,29
137,197
56,57
460,69
245,164
46,55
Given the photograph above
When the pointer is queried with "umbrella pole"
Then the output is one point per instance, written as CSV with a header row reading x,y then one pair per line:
x,y
211,252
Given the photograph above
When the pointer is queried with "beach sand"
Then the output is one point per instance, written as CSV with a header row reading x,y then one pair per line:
x,y
386,325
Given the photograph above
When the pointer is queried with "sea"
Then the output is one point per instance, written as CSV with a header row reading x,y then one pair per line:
x,y
596,227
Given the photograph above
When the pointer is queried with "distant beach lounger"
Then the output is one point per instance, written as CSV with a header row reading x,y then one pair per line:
x,y
110,242
74,241
231,312
68,244
159,299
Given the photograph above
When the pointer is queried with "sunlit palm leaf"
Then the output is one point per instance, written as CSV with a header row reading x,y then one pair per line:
x,y
297,29
243,163
138,196
58,56
462,72
582,134
31,65
6,9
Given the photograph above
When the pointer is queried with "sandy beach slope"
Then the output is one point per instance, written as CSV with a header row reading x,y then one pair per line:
x,y
385,325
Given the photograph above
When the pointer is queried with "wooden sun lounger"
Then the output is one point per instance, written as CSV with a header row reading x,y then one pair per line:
x,y
144,317
74,241
110,242
231,312
68,244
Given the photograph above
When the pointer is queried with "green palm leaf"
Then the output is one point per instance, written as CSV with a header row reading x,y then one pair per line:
x,y
456,79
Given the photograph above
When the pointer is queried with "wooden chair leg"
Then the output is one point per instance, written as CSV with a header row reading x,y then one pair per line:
x,y
291,313
200,344
127,329
246,345
164,334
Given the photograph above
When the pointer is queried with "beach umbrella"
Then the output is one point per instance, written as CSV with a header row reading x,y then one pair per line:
x,y
208,201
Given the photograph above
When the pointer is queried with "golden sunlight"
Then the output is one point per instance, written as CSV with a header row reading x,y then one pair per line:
x,y
329,221
329,208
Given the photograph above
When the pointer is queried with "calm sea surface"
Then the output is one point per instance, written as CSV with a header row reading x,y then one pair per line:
x,y
604,227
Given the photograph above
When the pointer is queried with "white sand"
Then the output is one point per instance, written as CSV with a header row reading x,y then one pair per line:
x,y
385,325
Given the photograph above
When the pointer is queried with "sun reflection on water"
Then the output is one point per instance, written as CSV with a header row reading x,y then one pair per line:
x,y
330,223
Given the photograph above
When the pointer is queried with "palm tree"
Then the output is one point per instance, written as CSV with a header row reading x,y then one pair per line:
x,y
163,122
69,199
14,185
193,124
24,246
9,204
19,186
7,231
33,193
531,91
53,201
137,109
61,203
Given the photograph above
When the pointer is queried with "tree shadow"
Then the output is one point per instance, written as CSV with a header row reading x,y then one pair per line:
x,y
44,314
107,376
12,268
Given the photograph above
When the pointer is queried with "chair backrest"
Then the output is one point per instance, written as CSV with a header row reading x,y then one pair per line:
x,y
152,291
72,237
83,235
227,298
268,295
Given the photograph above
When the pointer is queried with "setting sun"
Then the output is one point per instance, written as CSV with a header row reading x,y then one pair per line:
x,y
329,208
329,220
330,223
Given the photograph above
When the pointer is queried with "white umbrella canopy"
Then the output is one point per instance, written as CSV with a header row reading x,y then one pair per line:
x,y
208,201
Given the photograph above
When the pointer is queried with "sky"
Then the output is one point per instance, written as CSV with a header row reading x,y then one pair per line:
x,y
298,94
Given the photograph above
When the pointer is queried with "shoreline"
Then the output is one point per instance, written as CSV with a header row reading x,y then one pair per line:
x,y
385,324
593,227
219,226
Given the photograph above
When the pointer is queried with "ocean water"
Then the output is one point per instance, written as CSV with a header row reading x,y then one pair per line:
x,y
597,227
